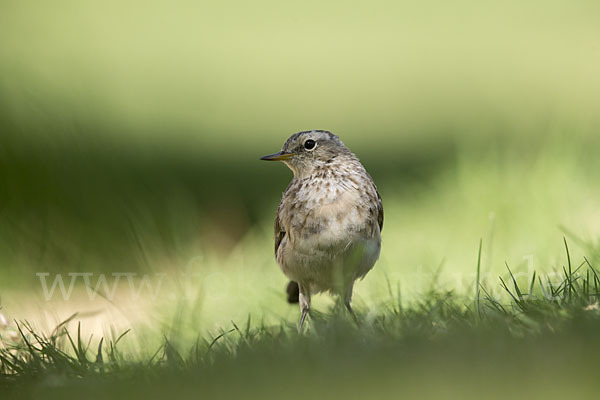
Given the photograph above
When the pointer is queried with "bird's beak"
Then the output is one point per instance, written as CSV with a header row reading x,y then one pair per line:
x,y
281,156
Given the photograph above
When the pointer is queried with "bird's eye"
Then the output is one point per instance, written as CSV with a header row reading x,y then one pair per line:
x,y
309,144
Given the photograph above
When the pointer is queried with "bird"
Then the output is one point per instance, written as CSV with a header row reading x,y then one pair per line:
x,y
329,220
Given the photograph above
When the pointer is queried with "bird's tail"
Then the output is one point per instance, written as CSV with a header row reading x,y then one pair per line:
x,y
293,292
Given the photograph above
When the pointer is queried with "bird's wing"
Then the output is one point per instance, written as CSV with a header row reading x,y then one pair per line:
x,y
379,212
279,233
279,229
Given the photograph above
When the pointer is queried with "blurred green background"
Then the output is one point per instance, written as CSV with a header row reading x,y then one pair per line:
x,y
131,132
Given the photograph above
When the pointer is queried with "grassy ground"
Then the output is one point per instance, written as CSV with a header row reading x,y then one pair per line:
x,y
537,340
230,332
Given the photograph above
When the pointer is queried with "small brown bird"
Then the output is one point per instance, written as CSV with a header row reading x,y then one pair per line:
x,y
329,220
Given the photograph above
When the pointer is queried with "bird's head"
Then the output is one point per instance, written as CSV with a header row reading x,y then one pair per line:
x,y
305,151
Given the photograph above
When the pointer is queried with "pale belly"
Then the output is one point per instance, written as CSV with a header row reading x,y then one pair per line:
x,y
329,260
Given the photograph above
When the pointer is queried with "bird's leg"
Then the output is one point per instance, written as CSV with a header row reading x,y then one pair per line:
x,y
349,307
347,301
304,300
302,319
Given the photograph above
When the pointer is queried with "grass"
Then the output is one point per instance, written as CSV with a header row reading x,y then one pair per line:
x,y
459,332
435,321
538,339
